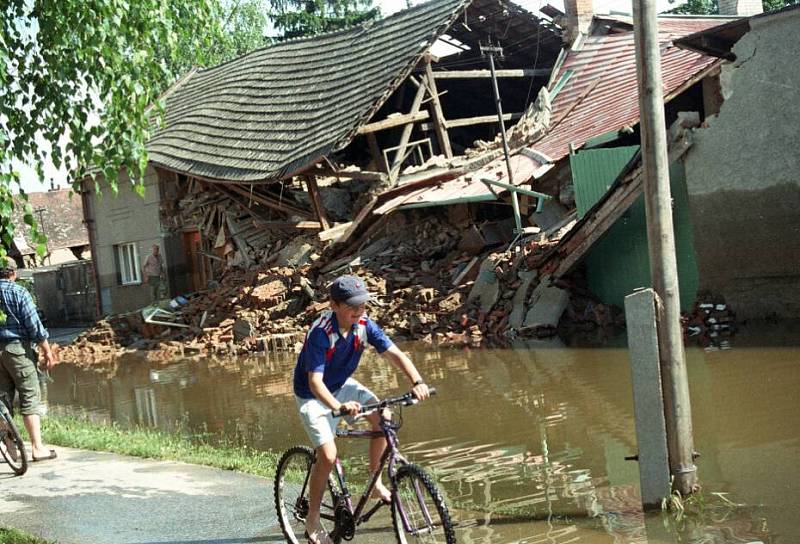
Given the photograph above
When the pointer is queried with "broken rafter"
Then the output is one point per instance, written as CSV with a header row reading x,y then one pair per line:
x,y
302,225
316,201
259,222
467,121
269,201
439,122
400,154
363,175
377,156
391,122
485,74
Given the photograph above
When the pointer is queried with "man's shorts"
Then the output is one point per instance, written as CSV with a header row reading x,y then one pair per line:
x,y
316,417
18,372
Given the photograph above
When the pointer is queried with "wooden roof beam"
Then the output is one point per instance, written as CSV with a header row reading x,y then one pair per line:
x,y
485,74
391,122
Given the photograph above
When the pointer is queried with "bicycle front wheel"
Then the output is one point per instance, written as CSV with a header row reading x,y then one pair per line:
x,y
12,448
292,495
419,513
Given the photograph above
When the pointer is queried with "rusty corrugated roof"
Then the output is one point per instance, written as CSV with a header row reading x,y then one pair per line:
x,y
601,93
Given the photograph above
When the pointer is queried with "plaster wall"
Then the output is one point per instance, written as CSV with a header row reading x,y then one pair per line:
x,y
121,219
743,177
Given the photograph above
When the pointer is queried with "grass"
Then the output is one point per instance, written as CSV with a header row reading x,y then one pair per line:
x,y
14,536
79,432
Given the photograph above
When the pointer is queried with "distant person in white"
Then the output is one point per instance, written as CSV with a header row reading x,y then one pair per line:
x,y
153,271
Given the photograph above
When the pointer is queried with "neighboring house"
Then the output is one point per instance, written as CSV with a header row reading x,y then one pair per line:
x,y
62,279
59,214
305,108
124,228
743,171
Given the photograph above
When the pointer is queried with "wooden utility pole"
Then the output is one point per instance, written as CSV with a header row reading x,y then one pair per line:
x,y
490,52
661,239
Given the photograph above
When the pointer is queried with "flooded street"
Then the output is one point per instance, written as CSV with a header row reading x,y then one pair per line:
x,y
529,445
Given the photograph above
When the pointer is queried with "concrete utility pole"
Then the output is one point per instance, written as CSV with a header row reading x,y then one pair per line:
x,y
661,238
491,52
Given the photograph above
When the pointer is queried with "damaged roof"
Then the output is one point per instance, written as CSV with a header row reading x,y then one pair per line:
x,y
597,89
60,217
719,40
595,93
269,113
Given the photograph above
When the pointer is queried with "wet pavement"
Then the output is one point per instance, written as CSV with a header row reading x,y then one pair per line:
x,y
90,497
529,445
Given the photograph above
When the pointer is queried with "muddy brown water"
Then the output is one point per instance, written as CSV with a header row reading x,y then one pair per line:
x,y
528,444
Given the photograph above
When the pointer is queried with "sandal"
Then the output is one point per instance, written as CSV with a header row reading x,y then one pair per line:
x,y
47,458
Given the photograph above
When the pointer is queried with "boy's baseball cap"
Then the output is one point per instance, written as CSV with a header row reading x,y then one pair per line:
x,y
350,290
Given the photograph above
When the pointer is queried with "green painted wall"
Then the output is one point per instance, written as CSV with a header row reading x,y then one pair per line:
x,y
593,172
619,262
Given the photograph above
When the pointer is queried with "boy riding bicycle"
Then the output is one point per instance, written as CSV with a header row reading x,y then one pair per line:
x,y
322,383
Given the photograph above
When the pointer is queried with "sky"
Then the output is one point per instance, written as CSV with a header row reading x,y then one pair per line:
x,y
30,182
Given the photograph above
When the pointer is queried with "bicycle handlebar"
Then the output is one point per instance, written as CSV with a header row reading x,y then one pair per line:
x,y
406,400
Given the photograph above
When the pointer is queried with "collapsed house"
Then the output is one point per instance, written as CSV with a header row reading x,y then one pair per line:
x,y
291,138
375,150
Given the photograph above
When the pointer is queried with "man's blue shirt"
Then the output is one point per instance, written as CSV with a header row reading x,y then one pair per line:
x,y
342,362
22,321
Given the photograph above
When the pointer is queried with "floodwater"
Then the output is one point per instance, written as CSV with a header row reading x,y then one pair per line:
x,y
528,444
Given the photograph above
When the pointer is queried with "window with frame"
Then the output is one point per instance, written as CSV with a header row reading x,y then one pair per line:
x,y
128,264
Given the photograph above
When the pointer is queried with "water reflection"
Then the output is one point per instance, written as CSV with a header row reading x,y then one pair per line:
x,y
528,444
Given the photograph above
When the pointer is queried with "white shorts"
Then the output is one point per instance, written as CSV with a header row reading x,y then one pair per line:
x,y
316,417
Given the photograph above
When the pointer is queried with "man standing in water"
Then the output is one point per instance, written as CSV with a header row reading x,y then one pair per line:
x,y
17,371
153,270
323,383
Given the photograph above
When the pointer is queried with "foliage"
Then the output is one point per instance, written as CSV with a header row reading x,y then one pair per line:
x,y
297,18
242,25
28,285
711,7
80,82
772,5
696,7
80,432
13,536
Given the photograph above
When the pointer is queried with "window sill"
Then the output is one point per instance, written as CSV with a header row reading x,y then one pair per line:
x,y
130,284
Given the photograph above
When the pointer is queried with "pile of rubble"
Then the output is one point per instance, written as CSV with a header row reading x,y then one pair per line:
x,y
438,282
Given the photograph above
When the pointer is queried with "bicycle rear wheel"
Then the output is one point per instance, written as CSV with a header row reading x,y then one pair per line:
x,y
12,448
419,513
292,495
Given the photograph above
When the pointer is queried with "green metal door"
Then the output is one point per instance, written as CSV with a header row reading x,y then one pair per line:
x,y
619,262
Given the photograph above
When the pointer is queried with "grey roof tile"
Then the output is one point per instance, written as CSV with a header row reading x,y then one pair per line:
x,y
268,113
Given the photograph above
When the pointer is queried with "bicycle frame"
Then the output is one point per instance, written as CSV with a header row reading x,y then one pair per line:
x,y
391,456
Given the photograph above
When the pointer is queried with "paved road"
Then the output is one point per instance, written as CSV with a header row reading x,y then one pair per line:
x,y
98,498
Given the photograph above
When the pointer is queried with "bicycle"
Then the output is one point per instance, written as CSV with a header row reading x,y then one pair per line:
x,y
11,439
419,512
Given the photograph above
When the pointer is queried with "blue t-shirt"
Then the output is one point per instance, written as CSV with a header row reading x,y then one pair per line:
x,y
341,364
